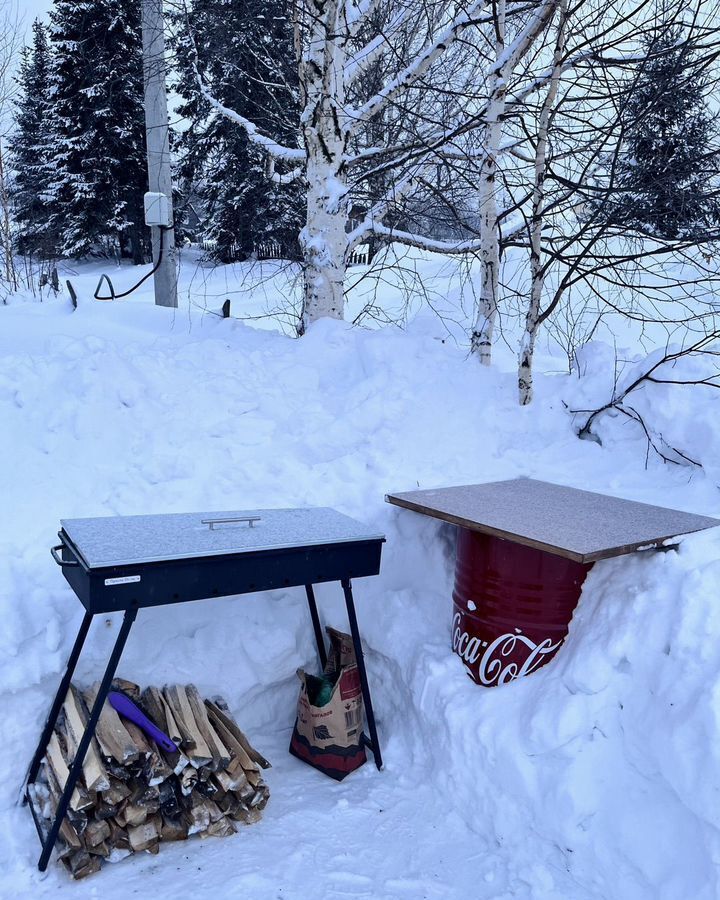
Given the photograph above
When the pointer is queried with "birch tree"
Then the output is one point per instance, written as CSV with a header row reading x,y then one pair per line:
x,y
452,82
10,44
537,271
568,146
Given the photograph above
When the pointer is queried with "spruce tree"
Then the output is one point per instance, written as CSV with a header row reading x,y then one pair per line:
x,y
31,150
245,52
97,105
667,177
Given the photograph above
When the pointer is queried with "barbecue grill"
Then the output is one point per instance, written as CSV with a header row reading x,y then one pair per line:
x,y
126,563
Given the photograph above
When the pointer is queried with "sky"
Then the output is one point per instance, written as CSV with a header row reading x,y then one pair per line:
x,y
31,10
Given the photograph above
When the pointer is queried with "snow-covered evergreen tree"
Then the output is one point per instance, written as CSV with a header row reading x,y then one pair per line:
x,y
245,51
97,107
667,175
31,151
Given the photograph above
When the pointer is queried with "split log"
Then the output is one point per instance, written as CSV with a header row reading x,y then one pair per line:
x,y
151,763
145,836
106,811
152,704
97,831
138,737
231,741
179,761
219,752
80,799
232,780
156,770
131,814
229,803
126,687
164,763
173,829
222,711
247,816
250,777
193,742
119,853
70,841
199,814
260,799
102,850
117,792
220,828
113,737
115,770
76,718
169,803
145,795
172,730
77,819
188,780
118,837
82,864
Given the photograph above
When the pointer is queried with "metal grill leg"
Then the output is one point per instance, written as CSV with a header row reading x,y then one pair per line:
x,y
319,640
373,743
58,701
88,734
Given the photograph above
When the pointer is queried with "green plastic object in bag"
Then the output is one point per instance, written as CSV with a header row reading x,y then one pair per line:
x,y
320,689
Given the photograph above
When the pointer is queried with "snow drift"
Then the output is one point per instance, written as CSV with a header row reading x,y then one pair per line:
x,y
597,777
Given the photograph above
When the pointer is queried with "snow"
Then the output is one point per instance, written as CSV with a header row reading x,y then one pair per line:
x,y
596,777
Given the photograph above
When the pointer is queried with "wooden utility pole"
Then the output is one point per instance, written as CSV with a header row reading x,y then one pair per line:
x,y
157,133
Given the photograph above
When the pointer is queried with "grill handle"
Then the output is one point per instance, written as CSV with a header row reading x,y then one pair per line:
x,y
251,520
63,563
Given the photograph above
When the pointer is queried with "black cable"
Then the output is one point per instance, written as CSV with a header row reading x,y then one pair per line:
x,y
113,295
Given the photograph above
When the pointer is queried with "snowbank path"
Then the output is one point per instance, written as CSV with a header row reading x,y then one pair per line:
x,y
596,778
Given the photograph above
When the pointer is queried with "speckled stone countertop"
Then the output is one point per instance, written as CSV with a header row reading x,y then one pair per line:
x,y
577,524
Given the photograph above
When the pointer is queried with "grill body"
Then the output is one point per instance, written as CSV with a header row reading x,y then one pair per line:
x,y
123,562
114,588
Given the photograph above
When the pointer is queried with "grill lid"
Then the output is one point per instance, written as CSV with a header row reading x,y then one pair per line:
x,y
130,540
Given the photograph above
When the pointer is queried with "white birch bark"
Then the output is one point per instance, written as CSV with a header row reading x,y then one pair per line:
x,y
326,133
537,271
482,334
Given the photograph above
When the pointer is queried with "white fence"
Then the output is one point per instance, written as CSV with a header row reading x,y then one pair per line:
x,y
272,249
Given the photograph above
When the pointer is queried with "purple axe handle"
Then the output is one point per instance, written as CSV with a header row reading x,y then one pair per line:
x,y
127,708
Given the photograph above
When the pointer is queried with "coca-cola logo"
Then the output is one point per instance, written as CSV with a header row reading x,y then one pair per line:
x,y
499,661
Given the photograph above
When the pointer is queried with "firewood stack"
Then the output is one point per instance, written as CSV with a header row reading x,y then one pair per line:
x,y
133,794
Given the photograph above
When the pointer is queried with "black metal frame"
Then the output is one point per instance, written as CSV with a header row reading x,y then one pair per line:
x,y
180,581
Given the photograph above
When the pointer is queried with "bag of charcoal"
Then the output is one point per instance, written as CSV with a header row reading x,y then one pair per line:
x,y
328,728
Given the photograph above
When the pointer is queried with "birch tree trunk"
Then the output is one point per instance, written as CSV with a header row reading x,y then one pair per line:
x,y
6,235
325,129
484,327
537,269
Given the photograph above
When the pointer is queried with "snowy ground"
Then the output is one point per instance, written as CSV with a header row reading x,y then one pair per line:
x,y
598,777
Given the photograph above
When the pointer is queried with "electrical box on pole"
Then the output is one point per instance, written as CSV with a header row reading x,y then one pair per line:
x,y
157,210
158,200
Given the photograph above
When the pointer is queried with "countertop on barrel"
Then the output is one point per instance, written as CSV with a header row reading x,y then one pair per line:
x,y
580,525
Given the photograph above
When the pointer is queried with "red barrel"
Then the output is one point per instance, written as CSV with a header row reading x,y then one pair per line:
x,y
512,606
